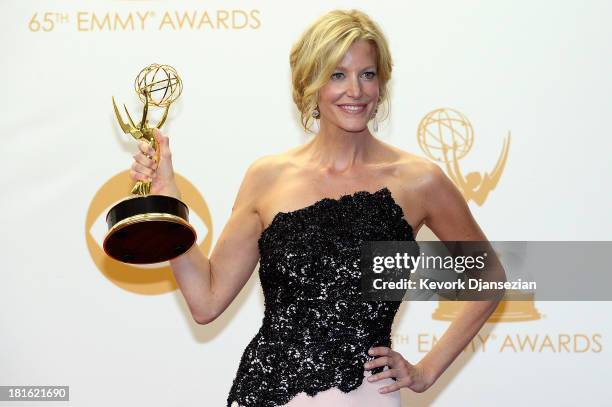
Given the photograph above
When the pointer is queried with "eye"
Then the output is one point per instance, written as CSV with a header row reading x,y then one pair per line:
x,y
336,76
369,74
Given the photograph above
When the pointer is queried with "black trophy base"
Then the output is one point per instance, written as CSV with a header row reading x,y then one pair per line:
x,y
148,229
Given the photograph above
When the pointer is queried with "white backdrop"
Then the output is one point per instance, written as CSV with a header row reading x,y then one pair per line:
x,y
537,69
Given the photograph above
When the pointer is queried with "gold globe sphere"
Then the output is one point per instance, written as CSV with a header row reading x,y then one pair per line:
x,y
443,130
159,85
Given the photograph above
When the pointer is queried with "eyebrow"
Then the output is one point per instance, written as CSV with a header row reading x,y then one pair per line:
x,y
364,69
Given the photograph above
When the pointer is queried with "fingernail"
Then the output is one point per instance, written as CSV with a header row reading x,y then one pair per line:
x,y
370,351
370,378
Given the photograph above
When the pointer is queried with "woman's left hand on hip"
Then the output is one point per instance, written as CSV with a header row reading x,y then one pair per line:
x,y
406,374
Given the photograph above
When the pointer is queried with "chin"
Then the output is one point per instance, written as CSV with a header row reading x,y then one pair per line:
x,y
353,126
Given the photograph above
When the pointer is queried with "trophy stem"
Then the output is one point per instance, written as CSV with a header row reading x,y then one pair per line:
x,y
142,188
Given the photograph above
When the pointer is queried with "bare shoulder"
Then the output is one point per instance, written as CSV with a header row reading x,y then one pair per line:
x,y
442,206
429,180
413,178
420,171
258,177
414,173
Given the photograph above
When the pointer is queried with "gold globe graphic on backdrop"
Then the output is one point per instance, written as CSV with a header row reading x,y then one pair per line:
x,y
446,136
158,84
445,130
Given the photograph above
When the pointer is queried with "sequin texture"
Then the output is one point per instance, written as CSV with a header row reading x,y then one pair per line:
x,y
316,329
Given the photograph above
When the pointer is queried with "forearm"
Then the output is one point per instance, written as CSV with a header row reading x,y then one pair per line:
x,y
192,272
461,331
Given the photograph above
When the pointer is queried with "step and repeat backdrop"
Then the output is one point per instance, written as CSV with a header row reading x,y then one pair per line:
x,y
523,88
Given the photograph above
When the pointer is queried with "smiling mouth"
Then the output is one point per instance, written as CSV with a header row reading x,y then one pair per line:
x,y
353,109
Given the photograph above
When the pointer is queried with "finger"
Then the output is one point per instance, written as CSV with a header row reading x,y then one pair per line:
x,y
390,388
142,159
137,167
379,350
164,144
383,375
380,361
146,149
159,137
136,176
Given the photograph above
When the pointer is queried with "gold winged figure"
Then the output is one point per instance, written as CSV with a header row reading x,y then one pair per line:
x,y
157,85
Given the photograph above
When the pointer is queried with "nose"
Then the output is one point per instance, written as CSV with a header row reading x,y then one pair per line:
x,y
354,88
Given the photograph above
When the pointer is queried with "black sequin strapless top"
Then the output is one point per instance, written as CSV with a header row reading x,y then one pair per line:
x,y
316,329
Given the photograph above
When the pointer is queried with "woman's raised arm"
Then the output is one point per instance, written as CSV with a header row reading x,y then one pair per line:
x,y
209,285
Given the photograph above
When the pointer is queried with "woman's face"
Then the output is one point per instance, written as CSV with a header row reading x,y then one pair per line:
x,y
348,99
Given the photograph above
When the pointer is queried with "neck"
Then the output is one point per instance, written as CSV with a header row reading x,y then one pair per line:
x,y
338,151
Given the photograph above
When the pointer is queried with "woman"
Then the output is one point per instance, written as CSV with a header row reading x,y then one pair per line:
x,y
303,214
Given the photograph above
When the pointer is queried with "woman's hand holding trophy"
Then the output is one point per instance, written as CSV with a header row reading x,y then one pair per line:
x,y
158,171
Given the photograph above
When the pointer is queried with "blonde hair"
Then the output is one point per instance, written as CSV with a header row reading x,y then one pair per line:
x,y
320,49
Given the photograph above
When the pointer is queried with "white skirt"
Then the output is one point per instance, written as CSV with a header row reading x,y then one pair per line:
x,y
366,395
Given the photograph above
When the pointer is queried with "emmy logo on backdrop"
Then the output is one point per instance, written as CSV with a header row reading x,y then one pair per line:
x,y
146,229
446,136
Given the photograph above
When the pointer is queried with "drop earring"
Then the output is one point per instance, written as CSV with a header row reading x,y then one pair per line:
x,y
315,113
375,121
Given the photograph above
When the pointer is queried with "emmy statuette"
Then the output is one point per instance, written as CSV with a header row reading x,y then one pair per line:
x,y
143,228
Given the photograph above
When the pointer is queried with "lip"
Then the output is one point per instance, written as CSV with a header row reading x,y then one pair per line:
x,y
362,107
